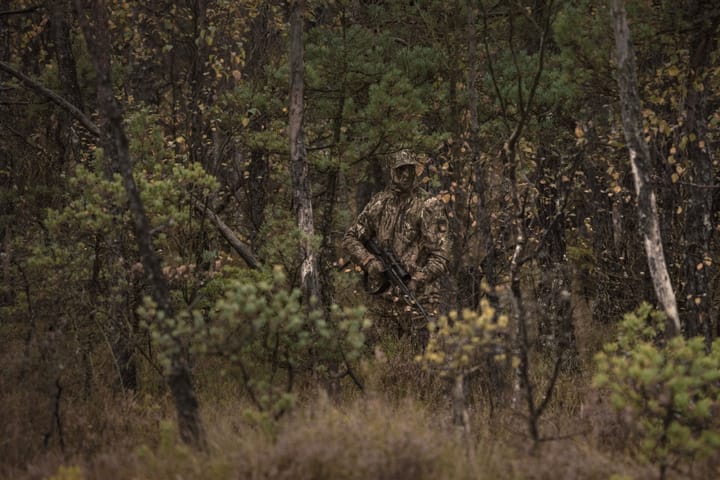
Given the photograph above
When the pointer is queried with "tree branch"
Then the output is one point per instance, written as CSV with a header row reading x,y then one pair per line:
x,y
230,236
23,11
54,97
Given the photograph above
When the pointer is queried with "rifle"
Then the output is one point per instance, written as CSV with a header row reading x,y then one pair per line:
x,y
395,274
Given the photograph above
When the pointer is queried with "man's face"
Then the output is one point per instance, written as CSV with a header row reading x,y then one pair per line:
x,y
404,177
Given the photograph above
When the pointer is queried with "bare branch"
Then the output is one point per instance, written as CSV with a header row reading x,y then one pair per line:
x,y
54,97
23,11
491,69
551,386
242,249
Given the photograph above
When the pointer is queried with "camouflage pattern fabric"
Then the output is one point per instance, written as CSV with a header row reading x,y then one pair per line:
x,y
414,226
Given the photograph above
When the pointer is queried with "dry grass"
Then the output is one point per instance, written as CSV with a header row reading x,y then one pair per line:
x,y
373,436
399,428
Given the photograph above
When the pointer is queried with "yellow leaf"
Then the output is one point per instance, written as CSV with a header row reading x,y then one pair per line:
x,y
698,300
664,127
675,177
673,71
245,121
579,132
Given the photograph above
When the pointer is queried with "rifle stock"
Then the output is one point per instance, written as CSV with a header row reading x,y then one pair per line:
x,y
397,275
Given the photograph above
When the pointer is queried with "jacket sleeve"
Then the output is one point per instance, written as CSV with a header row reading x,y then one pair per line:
x,y
435,239
358,233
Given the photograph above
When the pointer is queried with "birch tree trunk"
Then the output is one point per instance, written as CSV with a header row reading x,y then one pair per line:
x,y
641,165
301,198
179,377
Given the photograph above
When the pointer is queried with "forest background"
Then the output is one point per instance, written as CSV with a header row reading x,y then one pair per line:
x,y
175,177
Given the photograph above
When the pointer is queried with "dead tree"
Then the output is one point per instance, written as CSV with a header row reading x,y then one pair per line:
x,y
301,198
640,162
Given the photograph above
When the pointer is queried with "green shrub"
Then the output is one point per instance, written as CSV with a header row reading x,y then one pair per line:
x,y
462,341
266,336
670,391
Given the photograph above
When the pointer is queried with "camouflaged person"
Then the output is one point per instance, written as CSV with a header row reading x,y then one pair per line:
x,y
405,219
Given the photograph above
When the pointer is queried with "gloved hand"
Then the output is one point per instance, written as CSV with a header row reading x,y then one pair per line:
x,y
416,281
374,267
375,275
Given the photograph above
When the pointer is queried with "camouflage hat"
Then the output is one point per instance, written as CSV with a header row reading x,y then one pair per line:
x,y
404,157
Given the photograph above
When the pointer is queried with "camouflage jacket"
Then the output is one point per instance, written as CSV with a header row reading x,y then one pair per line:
x,y
414,226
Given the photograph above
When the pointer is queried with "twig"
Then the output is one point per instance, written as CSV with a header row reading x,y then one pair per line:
x,y
23,11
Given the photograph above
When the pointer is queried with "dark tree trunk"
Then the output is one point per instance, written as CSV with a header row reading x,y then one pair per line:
x,y
486,254
372,184
260,44
4,38
698,222
556,330
328,253
198,152
648,217
7,207
301,197
179,377
67,71
256,189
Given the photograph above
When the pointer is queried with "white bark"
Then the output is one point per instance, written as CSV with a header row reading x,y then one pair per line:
x,y
302,204
641,165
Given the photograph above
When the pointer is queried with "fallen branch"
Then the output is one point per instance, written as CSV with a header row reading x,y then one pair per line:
x,y
242,249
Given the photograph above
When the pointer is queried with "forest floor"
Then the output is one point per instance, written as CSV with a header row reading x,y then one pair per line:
x,y
399,426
